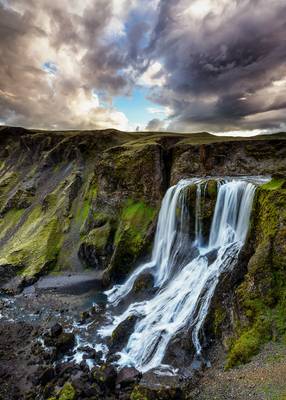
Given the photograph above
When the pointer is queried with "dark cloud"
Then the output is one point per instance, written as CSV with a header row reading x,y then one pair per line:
x,y
155,125
221,70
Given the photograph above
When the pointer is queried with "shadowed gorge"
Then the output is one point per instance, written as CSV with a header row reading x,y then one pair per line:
x,y
127,254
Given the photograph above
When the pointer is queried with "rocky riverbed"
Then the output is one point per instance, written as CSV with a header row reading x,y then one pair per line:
x,y
46,349
41,357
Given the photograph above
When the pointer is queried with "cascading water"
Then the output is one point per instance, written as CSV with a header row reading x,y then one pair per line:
x,y
185,279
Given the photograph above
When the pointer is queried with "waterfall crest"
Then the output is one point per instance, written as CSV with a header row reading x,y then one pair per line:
x,y
185,279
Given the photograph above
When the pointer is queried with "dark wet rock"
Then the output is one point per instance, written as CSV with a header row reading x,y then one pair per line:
x,y
83,366
155,386
105,376
154,394
63,343
7,273
47,376
56,330
85,349
121,334
211,256
100,299
144,282
17,284
84,317
180,350
66,369
90,353
86,387
128,376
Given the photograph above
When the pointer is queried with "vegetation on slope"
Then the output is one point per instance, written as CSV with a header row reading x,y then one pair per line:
x,y
262,294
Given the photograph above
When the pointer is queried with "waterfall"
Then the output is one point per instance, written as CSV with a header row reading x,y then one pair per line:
x,y
185,279
170,241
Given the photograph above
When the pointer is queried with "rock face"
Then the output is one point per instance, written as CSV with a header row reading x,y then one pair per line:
x,y
254,313
76,200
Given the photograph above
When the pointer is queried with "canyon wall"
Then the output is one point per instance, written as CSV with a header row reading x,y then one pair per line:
x,y
71,201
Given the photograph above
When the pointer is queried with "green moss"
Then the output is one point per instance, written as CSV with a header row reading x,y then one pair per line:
x,y
130,237
83,207
35,244
137,394
219,317
135,218
67,392
82,213
274,184
246,346
98,237
262,295
101,218
8,181
212,188
9,220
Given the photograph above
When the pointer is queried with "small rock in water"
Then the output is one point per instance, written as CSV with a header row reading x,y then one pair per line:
x,y
144,282
65,342
84,316
56,330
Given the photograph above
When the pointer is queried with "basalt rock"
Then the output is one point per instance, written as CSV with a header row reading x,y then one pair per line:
x,y
128,376
105,376
144,282
121,333
245,318
56,330
63,342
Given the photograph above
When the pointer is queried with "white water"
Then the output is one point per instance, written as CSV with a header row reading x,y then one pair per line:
x,y
186,281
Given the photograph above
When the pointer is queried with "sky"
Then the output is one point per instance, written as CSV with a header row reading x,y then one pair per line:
x,y
154,65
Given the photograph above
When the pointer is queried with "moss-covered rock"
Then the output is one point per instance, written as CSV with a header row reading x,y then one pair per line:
x,y
144,282
95,246
18,200
205,210
132,237
262,295
166,392
35,245
121,334
67,392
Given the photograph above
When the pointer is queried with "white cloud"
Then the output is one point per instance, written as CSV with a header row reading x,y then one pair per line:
x,y
153,76
164,110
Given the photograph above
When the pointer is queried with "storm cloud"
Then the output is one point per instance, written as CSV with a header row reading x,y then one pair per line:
x,y
216,65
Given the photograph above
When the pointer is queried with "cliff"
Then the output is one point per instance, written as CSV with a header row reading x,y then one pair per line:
x,y
71,201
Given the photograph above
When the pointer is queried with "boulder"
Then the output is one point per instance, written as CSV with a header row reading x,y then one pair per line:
x,y
128,376
144,282
121,334
47,376
56,330
105,376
